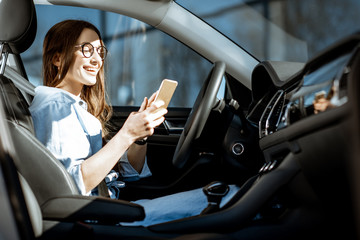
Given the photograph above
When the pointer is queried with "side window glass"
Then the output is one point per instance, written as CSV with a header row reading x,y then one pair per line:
x,y
140,56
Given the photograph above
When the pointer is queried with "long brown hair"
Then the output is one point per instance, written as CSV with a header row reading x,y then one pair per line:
x,y
61,39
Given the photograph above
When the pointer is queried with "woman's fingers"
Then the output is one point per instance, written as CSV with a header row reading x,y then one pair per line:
x,y
147,102
157,122
156,105
144,105
142,123
153,96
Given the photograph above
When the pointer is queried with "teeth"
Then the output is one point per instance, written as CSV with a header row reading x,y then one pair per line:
x,y
90,69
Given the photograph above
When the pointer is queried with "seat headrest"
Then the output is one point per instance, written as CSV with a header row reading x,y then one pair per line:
x,y
17,24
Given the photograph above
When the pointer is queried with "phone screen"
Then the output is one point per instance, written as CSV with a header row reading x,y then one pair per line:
x,y
166,91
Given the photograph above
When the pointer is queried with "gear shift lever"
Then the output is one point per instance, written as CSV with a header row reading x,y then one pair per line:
x,y
214,192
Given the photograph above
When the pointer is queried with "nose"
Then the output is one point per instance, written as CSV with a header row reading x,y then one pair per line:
x,y
96,59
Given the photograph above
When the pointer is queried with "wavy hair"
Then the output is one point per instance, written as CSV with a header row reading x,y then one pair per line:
x,y
61,39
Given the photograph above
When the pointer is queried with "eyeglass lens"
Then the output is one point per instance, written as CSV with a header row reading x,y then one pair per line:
x,y
88,50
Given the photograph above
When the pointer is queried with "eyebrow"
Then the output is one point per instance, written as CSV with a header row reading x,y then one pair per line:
x,y
101,45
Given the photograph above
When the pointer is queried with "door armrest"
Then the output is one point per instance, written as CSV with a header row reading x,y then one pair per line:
x,y
80,208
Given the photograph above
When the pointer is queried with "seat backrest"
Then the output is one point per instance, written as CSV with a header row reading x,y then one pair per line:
x,y
46,176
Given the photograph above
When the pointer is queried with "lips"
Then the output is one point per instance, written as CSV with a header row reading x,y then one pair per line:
x,y
91,70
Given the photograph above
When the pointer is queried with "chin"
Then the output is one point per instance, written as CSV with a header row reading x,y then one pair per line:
x,y
90,82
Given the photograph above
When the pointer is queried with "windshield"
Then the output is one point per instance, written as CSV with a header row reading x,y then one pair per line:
x,y
280,30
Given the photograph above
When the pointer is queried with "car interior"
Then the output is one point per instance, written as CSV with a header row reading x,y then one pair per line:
x,y
293,175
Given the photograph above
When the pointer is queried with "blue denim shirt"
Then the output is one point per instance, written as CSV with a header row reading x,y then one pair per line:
x,y
63,124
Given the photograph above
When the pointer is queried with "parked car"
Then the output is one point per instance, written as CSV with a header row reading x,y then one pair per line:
x,y
260,103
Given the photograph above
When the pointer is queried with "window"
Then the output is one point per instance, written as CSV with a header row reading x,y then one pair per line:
x,y
140,56
280,30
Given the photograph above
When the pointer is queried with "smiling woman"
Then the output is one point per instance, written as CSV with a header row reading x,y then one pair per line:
x,y
73,99
59,72
85,67
73,133
139,56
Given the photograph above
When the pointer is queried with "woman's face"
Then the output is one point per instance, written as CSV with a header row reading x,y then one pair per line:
x,y
83,71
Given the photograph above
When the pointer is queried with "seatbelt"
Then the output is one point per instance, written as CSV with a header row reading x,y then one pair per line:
x,y
27,88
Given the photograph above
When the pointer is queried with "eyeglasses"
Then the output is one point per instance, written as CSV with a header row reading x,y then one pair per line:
x,y
87,50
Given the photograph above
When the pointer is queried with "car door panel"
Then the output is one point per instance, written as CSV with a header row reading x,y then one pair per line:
x,y
162,144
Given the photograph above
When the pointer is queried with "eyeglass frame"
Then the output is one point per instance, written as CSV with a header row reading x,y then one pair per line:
x,y
93,50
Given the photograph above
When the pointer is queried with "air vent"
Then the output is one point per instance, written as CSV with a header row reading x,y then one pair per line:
x,y
271,116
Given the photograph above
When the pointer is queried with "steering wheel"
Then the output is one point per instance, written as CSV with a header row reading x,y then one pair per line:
x,y
200,112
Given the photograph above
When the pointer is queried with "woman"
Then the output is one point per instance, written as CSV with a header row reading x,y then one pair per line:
x,y
70,115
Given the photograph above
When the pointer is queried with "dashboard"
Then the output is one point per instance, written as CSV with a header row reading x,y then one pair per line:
x,y
285,93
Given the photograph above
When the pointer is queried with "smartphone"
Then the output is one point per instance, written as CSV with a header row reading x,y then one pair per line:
x,y
166,91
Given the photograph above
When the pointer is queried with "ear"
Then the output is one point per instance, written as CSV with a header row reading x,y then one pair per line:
x,y
57,59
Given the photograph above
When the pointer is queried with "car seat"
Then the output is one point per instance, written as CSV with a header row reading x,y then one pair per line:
x,y
52,186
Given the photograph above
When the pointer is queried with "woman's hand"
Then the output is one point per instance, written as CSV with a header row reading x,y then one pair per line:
x,y
147,102
149,118
141,124
321,104
137,126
